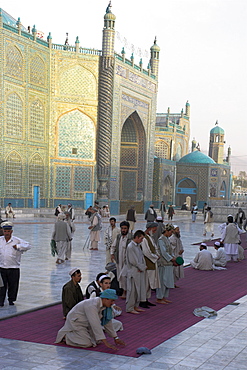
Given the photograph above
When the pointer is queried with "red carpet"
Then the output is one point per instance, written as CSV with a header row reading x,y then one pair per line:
x,y
214,289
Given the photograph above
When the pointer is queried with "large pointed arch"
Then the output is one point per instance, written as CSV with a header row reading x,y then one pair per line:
x,y
13,175
186,187
132,161
36,174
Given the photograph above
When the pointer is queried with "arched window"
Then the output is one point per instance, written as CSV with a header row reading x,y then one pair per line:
x,y
14,62
13,178
37,121
14,117
161,149
76,136
36,174
37,71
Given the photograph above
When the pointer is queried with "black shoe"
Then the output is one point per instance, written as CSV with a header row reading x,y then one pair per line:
x,y
150,304
11,303
143,305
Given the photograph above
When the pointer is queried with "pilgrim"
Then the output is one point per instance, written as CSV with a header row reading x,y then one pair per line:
x,y
220,258
72,293
11,249
203,259
177,250
85,322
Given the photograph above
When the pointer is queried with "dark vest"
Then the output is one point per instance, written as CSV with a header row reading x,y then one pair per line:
x,y
131,215
96,289
150,264
116,254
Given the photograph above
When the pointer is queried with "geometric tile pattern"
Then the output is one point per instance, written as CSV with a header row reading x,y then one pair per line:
x,y
162,149
37,71
37,121
14,121
128,157
13,175
63,177
78,81
36,174
14,62
82,178
76,130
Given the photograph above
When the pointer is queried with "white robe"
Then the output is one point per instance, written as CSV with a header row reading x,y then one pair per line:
x,y
83,327
220,258
203,260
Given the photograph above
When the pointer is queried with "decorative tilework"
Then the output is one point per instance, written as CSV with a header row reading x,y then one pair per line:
x,y
161,149
14,62
13,177
76,130
37,121
82,179
63,180
78,81
36,174
134,101
37,71
14,119
129,133
128,157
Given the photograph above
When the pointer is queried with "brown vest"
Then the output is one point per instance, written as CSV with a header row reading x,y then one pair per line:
x,y
150,264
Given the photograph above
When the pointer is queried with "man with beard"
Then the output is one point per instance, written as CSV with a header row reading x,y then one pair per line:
x,y
110,235
118,254
149,250
178,250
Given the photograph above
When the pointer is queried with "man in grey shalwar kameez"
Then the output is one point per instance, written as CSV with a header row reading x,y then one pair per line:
x,y
84,323
136,267
177,250
165,265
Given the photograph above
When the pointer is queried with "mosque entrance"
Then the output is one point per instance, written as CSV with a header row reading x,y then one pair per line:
x,y
167,191
185,187
132,159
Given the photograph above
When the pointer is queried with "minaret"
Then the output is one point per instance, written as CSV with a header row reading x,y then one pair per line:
x,y
154,60
104,130
229,152
216,144
187,109
193,145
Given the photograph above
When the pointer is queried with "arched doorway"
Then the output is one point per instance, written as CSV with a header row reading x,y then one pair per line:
x,y
223,190
132,160
184,188
167,191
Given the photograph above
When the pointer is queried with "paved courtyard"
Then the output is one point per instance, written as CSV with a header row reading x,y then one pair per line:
x,y
210,344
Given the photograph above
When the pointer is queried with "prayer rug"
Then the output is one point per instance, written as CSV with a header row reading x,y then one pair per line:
x,y
214,289
211,242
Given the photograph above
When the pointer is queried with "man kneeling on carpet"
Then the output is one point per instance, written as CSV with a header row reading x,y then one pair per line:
x,y
85,322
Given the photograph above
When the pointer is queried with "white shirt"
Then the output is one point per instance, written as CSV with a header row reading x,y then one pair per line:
x,y
9,256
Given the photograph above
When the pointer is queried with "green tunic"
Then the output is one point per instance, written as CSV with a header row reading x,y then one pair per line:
x,y
71,295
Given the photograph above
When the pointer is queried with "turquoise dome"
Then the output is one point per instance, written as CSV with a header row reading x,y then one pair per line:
x,y
217,130
196,157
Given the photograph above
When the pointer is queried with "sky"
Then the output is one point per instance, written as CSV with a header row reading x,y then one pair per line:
x,y
203,56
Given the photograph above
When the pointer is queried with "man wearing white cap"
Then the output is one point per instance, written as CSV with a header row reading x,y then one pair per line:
x,y
72,293
85,322
62,235
220,258
11,249
203,259
96,226
178,250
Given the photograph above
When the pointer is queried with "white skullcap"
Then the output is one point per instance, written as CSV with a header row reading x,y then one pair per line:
x,y
73,271
103,276
175,226
204,244
217,244
61,216
7,225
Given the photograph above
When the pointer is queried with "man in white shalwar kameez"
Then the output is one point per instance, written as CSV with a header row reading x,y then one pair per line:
x,y
118,254
231,239
95,228
136,267
177,250
85,322
165,265
149,249
109,237
203,259
220,258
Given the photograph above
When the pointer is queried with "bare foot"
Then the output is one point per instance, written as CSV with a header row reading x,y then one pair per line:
x,y
176,286
166,300
134,312
138,309
160,301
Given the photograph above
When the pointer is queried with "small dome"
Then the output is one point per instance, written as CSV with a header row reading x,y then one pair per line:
x,y
217,130
109,16
196,157
155,47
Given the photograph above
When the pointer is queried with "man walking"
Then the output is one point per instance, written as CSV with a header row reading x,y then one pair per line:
x,y
96,226
131,218
208,222
150,215
62,235
11,249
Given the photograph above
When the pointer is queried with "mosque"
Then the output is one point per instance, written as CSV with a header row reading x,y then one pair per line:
x,y
80,124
